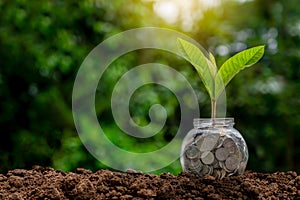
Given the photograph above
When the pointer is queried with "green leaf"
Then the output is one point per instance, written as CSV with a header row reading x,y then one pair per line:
x,y
205,68
212,59
235,64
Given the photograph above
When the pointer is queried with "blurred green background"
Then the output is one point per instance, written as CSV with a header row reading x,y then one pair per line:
x,y
43,43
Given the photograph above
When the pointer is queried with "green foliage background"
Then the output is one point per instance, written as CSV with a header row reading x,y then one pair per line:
x,y
43,43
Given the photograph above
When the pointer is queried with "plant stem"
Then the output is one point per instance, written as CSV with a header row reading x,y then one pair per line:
x,y
213,108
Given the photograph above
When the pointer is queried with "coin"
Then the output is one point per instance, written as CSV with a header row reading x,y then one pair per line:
x,y
211,170
221,164
233,172
228,141
230,145
231,163
221,154
215,164
194,164
207,157
192,152
209,143
204,171
220,142
199,141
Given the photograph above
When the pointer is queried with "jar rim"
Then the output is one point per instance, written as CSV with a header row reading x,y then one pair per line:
x,y
215,121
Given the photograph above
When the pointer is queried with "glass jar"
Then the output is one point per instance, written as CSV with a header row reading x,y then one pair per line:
x,y
213,147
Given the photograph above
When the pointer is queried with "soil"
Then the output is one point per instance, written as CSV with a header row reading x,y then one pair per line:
x,y
47,183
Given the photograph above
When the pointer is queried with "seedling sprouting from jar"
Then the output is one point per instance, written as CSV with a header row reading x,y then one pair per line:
x,y
214,147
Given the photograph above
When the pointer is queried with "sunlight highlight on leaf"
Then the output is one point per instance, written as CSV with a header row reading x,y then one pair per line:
x,y
205,68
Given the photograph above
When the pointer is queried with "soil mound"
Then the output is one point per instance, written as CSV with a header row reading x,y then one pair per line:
x,y
47,183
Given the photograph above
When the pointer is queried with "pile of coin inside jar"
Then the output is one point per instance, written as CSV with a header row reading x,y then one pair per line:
x,y
219,154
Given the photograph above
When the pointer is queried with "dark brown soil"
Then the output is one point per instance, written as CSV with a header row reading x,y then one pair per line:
x,y
46,183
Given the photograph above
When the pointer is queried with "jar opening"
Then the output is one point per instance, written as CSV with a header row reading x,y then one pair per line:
x,y
209,122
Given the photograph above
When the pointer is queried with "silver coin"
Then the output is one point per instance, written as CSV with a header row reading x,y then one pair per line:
x,y
227,141
209,143
199,141
207,157
192,152
215,164
194,164
221,164
194,168
232,163
193,171
230,145
221,154
211,170
220,141
205,170
186,164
